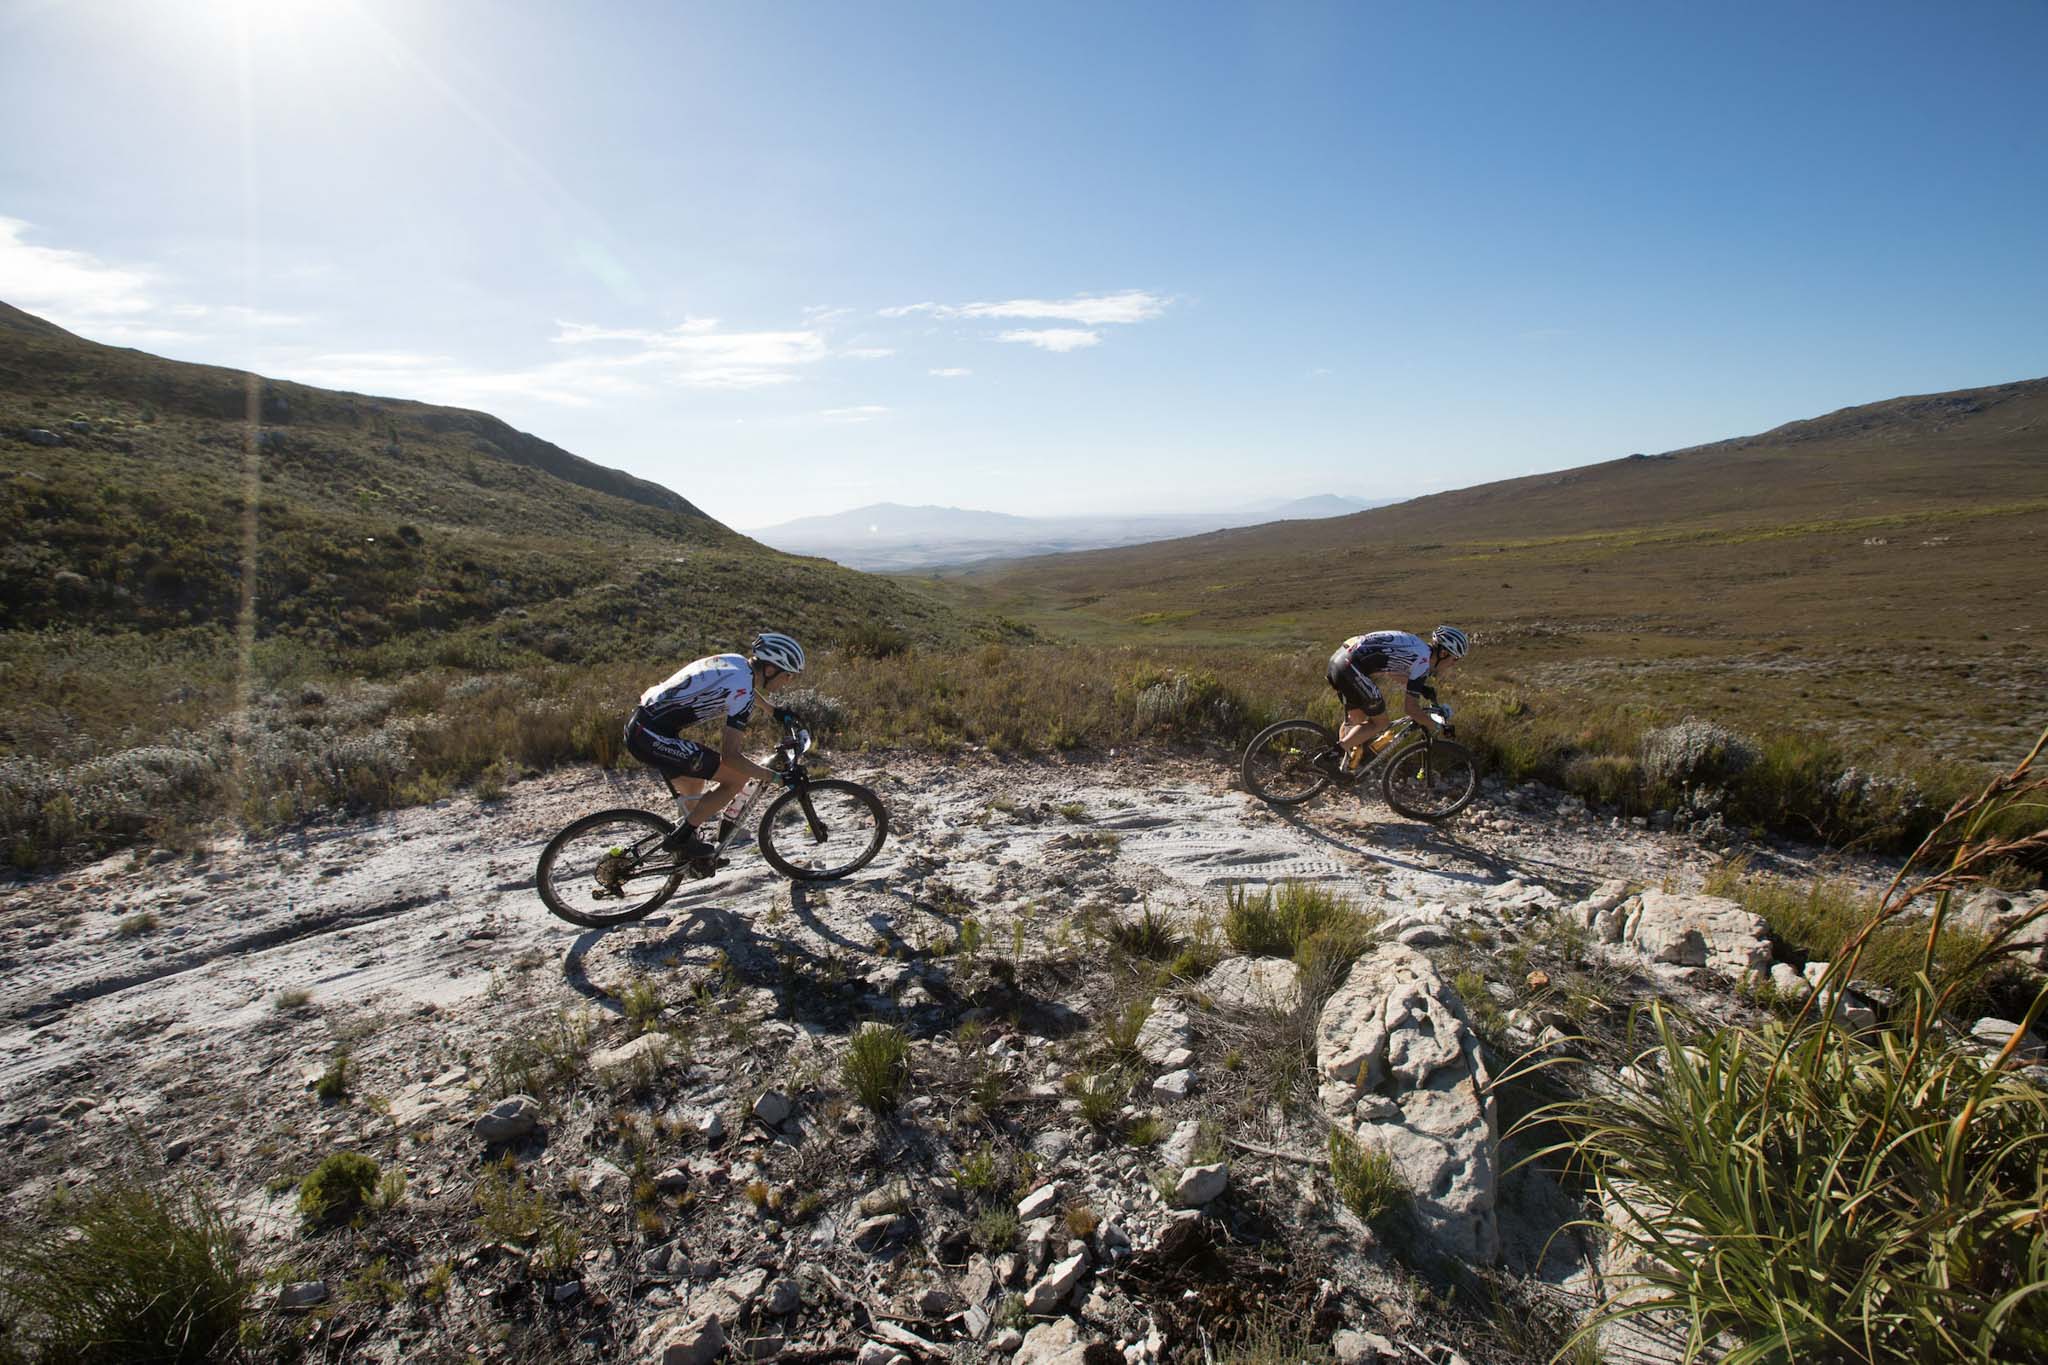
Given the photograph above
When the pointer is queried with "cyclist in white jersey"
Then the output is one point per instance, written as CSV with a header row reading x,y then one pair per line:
x,y
1389,651
722,686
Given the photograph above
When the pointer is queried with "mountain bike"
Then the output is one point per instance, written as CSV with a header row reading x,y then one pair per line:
x,y
610,868
1422,773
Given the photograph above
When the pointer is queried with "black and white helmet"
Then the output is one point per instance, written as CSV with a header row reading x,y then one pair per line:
x,y
773,647
1451,641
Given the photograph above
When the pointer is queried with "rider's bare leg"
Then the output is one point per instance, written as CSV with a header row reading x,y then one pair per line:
x,y
1360,728
711,804
689,793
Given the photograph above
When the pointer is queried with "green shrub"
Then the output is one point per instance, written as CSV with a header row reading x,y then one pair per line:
x,y
1821,919
332,1087
1366,1177
340,1185
130,1272
876,1066
1148,935
1321,931
1819,1195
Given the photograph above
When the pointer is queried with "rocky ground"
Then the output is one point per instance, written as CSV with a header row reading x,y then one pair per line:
x,y
641,1143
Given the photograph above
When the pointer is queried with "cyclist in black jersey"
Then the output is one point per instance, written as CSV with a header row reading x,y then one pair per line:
x,y
705,780
1388,651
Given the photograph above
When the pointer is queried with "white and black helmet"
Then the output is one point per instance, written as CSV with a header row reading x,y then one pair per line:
x,y
1451,641
772,647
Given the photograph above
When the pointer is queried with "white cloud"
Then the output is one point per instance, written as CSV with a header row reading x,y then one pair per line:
x,y
697,354
442,379
1131,305
866,412
869,352
1090,310
69,287
951,372
1054,338
118,304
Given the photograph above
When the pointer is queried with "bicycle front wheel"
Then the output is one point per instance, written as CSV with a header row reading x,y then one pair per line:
x,y
1431,779
823,830
1277,764
608,868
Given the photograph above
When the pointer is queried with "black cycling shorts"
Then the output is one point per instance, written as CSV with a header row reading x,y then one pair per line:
x,y
667,754
1355,687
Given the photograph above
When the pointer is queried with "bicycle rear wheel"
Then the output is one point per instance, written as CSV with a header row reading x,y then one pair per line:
x,y
608,868
1277,763
839,833
1431,779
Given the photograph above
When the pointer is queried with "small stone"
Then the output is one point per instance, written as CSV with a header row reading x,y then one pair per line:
x,y
711,1127
1996,1033
1424,936
1200,1184
1058,1342
877,1232
1039,1202
1057,1284
1361,1348
1006,1341
760,1348
1174,1085
675,1339
893,1197
564,1292
772,1108
651,1046
179,1147
674,1180
509,1119
781,1298
303,1294
875,1353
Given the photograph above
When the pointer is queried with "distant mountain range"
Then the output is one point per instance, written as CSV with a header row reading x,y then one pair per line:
x,y
889,536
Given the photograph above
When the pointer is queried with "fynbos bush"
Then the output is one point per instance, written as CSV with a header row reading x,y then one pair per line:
x,y
133,1271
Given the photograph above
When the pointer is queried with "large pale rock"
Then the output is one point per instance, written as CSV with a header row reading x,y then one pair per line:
x,y
1401,1069
1697,931
1254,983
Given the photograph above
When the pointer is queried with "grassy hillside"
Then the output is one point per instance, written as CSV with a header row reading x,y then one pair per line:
x,y
1877,569
377,524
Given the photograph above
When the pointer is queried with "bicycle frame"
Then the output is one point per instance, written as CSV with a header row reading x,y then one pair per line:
x,y
1398,730
796,743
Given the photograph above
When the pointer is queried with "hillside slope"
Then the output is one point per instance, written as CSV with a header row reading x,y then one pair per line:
x,y
126,481
1867,517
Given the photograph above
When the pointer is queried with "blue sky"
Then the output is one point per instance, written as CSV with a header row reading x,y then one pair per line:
x,y
788,259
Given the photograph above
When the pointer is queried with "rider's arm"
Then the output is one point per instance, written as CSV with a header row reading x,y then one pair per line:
x,y
1412,698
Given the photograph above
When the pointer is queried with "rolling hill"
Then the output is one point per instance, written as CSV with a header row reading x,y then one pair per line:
x,y
1846,564
130,486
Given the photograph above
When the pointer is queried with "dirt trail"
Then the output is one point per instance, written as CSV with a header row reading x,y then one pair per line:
x,y
433,905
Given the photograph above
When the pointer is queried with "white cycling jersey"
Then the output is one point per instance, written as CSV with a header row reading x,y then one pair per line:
x,y
1387,651
720,685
